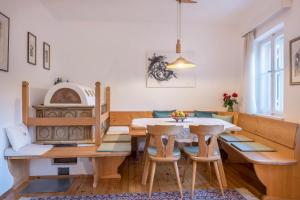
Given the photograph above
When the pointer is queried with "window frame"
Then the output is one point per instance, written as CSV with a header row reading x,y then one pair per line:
x,y
259,44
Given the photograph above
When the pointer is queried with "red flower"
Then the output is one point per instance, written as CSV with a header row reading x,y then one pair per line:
x,y
234,95
225,94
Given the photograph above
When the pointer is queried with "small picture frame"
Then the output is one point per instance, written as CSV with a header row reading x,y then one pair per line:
x,y
46,56
295,61
4,42
31,48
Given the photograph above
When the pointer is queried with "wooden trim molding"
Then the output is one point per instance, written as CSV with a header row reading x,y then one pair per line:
x,y
25,102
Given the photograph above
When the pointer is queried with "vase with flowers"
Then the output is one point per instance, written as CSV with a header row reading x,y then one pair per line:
x,y
230,100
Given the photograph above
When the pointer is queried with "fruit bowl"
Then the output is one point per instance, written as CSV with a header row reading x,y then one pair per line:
x,y
179,116
177,119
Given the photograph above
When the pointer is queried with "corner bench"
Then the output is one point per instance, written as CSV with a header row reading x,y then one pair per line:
x,y
105,164
279,171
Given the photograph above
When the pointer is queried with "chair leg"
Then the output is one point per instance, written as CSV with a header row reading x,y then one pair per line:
x,y
152,177
218,177
194,177
178,178
185,168
146,170
209,172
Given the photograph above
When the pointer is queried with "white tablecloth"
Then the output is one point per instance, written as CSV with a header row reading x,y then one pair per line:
x,y
186,136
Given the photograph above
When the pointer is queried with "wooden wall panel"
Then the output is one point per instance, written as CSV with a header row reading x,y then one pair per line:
x,y
278,131
248,122
124,118
234,114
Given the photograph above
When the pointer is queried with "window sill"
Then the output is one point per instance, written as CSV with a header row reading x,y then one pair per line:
x,y
278,117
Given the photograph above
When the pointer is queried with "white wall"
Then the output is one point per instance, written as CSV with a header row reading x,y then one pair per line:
x,y
290,19
115,53
25,16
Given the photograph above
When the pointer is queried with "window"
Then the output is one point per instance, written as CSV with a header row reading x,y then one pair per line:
x,y
270,75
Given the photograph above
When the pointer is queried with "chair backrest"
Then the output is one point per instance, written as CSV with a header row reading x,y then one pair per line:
x,y
158,132
208,147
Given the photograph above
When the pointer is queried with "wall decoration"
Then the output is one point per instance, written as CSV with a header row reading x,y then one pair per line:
x,y
159,76
295,61
46,56
4,42
31,48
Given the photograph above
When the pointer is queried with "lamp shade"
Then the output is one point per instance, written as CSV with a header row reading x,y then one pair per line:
x,y
181,63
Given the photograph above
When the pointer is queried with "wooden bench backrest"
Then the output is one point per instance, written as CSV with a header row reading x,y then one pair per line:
x,y
277,131
124,118
234,115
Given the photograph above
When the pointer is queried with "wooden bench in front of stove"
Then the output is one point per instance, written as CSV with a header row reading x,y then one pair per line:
x,y
105,164
279,171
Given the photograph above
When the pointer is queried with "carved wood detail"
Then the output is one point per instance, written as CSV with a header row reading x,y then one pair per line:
x,y
64,134
65,95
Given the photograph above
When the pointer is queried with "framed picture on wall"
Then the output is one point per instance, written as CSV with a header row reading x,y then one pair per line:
x,y
295,61
46,56
31,48
159,76
4,42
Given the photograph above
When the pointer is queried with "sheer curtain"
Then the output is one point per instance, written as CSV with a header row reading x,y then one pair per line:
x,y
249,99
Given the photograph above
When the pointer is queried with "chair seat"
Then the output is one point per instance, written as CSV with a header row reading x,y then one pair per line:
x,y
193,150
152,151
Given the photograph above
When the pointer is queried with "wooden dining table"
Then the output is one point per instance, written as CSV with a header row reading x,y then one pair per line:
x,y
139,125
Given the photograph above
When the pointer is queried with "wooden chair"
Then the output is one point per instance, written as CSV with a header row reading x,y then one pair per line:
x,y
206,151
161,152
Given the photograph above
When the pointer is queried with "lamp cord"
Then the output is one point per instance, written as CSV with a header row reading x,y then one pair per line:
x,y
179,20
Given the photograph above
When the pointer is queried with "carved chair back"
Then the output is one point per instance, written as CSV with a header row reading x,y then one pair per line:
x,y
207,147
163,138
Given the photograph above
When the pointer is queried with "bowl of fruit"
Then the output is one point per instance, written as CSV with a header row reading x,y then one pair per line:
x,y
179,116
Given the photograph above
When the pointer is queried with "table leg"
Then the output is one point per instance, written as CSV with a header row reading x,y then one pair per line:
x,y
134,147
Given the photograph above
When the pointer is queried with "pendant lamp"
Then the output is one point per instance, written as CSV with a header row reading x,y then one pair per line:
x,y
180,62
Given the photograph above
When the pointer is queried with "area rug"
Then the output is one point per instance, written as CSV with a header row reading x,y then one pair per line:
x,y
213,194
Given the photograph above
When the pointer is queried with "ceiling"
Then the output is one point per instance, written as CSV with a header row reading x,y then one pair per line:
x,y
210,11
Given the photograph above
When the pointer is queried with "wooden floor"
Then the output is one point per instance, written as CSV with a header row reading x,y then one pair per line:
x,y
238,176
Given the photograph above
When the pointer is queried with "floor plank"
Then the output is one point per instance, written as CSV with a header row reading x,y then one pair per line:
x,y
238,176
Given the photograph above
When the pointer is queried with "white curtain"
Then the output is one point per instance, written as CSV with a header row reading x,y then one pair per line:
x,y
249,99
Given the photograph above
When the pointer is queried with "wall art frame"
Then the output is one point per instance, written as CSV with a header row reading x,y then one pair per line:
x,y
46,56
31,48
4,42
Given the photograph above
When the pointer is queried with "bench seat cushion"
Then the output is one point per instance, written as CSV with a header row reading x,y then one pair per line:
x,y
28,150
115,147
117,138
235,138
203,114
162,113
252,147
118,130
